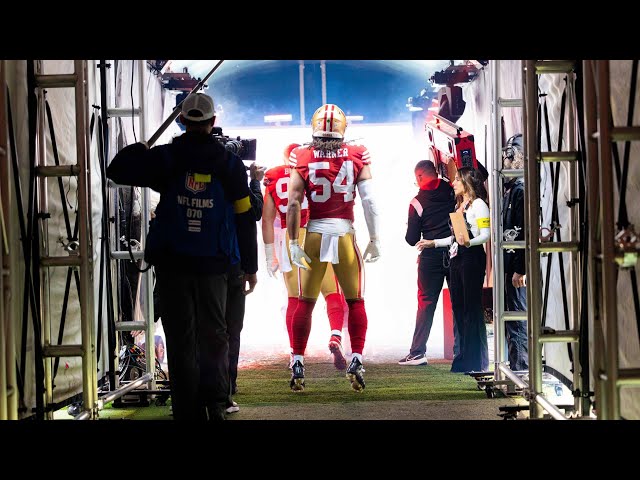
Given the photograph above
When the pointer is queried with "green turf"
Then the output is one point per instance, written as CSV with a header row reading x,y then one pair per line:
x,y
268,385
151,412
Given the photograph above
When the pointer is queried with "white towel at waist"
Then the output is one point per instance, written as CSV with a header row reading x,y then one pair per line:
x,y
332,226
331,229
329,248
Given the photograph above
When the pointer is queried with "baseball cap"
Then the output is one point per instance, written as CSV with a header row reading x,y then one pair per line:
x,y
198,107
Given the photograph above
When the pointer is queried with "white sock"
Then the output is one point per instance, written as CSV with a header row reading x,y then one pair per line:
x,y
358,356
337,333
298,357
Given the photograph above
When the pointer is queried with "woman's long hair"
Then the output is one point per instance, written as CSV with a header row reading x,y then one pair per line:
x,y
473,183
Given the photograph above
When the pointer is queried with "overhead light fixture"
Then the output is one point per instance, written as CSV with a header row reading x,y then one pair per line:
x,y
277,119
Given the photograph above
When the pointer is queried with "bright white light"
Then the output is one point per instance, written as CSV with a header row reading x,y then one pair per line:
x,y
355,118
391,283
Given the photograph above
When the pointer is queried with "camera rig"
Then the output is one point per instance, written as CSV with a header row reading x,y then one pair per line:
x,y
447,141
446,100
454,74
245,148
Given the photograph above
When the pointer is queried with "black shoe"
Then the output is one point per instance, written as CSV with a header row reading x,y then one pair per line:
x,y
216,413
414,360
297,376
354,374
75,409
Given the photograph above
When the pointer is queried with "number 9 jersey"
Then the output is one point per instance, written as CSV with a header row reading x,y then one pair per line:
x,y
330,178
276,182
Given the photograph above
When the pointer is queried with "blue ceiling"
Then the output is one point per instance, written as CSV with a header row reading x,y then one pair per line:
x,y
247,90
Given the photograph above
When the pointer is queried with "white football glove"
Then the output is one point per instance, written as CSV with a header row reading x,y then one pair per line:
x,y
372,252
298,257
272,261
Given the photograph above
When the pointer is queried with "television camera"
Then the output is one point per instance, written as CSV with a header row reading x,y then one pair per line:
x,y
245,148
447,141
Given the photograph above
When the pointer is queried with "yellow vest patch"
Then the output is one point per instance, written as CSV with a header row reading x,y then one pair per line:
x,y
202,177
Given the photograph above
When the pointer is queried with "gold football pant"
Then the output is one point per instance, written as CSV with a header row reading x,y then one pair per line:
x,y
328,283
349,272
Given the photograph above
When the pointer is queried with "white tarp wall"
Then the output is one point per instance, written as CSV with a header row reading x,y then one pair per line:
x,y
17,101
628,334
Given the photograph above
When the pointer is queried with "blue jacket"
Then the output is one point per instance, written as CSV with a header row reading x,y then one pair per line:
x,y
204,221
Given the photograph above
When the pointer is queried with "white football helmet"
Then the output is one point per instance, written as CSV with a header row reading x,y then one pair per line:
x,y
329,121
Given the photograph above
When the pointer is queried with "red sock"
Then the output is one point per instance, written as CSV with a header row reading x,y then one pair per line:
x,y
357,325
335,312
291,309
301,326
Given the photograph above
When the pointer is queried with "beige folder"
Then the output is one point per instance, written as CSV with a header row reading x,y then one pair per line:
x,y
459,226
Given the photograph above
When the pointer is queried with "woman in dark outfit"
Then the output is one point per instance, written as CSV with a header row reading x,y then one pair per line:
x,y
467,270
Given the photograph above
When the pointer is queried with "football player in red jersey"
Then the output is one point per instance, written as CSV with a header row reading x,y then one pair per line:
x,y
327,172
276,198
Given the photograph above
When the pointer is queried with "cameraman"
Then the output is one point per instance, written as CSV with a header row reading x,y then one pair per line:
x,y
192,244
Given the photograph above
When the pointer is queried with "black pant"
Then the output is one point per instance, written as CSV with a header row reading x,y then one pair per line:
x,y
193,315
515,300
433,268
235,320
467,277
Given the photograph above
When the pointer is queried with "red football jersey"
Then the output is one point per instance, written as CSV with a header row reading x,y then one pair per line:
x,y
330,178
276,181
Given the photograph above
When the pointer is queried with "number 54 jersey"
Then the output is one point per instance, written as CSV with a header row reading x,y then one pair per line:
x,y
330,178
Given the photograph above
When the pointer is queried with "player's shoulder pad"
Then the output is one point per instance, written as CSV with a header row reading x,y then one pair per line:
x,y
295,154
272,175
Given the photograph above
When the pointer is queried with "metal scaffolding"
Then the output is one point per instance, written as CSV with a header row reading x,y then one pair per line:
x,y
538,333
80,248
537,244
495,196
114,112
612,250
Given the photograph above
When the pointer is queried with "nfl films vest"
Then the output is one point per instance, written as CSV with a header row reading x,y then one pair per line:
x,y
193,217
